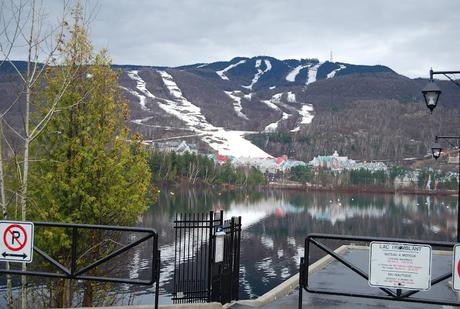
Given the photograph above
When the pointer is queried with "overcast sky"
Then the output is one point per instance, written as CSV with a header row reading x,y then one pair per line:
x,y
410,36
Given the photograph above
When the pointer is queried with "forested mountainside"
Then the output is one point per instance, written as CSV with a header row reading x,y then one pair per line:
x,y
301,108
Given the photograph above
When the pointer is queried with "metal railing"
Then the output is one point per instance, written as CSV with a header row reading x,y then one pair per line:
x,y
82,272
388,294
194,234
198,277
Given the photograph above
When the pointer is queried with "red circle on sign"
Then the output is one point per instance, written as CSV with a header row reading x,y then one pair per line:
x,y
8,231
458,268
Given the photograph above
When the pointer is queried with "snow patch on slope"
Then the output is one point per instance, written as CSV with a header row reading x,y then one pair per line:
x,y
141,87
222,72
270,105
332,74
231,143
236,103
273,126
306,116
293,74
291,97
275,99
305,113
259,73
181,107
312,71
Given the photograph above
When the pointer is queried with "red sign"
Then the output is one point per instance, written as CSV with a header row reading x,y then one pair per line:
x,y
16,241
15,237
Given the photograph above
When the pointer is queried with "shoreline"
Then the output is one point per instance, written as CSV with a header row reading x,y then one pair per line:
x,y
300,187
312,188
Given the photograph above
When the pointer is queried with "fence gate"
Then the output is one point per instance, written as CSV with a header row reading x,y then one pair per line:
x,y
197,277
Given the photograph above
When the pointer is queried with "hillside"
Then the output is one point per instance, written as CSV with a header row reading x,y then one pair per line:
x,y
297,107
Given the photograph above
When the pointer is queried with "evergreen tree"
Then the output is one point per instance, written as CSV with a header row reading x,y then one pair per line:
x,y
87,170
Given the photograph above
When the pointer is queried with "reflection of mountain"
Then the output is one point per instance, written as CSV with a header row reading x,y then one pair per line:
x,y
338,212
275,224
254,212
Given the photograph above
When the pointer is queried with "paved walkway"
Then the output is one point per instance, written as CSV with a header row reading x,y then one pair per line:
x,y
335,276
328,302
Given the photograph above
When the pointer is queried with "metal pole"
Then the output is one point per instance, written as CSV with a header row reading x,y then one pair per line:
x,y
73,266
442,72
299,304
458,195
157,285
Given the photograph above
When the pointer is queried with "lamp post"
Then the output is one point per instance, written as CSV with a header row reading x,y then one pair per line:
x,y
431,93
436,151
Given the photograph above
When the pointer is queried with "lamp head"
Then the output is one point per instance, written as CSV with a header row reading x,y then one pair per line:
x,y
431,93
436,150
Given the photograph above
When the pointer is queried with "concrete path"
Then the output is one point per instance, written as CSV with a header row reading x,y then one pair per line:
x,y
331,275
329,302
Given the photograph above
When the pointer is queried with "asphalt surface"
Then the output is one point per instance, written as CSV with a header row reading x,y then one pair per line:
x,y
336,277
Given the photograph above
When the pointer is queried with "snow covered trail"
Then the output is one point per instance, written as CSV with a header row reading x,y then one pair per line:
x,y
291,97
332,74
222,72
141,91
231,143
306,116
312,71
260,72
305,113
237,103
273,126
293,74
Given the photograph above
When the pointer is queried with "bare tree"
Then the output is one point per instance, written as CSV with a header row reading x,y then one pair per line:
x,y
24,32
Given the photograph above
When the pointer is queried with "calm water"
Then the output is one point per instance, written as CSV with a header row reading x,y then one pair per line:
x,y
275,224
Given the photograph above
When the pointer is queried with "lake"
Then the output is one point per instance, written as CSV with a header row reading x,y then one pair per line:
x,y
275,224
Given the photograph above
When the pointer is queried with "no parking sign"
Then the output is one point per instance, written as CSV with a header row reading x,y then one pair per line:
x,y
16,241
456,268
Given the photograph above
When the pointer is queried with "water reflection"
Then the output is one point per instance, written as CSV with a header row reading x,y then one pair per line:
x,y
275,224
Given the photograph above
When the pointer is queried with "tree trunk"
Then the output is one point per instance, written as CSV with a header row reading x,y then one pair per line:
x,y
9,283
88,295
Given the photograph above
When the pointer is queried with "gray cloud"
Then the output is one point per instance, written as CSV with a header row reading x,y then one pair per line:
x,y
410,36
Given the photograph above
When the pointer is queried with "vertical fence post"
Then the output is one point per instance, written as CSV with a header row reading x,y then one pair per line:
x,y
231,254
211,253
236,270
73,265
301,280
158,267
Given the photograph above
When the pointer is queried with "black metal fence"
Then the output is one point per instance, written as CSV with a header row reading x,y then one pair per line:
x,y
76,271
193,256
226,275
318,240
197,277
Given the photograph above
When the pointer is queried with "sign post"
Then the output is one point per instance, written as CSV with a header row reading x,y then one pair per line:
x,y
400,266
16,241
456,268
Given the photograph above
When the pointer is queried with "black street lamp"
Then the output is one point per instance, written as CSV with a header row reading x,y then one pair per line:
x,y
436,150
431,92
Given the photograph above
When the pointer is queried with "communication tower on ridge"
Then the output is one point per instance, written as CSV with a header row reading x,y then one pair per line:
x,y
331,60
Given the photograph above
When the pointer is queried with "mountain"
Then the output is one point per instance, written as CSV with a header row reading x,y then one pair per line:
x,y
297,107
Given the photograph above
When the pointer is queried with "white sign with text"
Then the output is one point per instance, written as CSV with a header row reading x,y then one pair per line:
x,y
16,241
456,268
400,265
